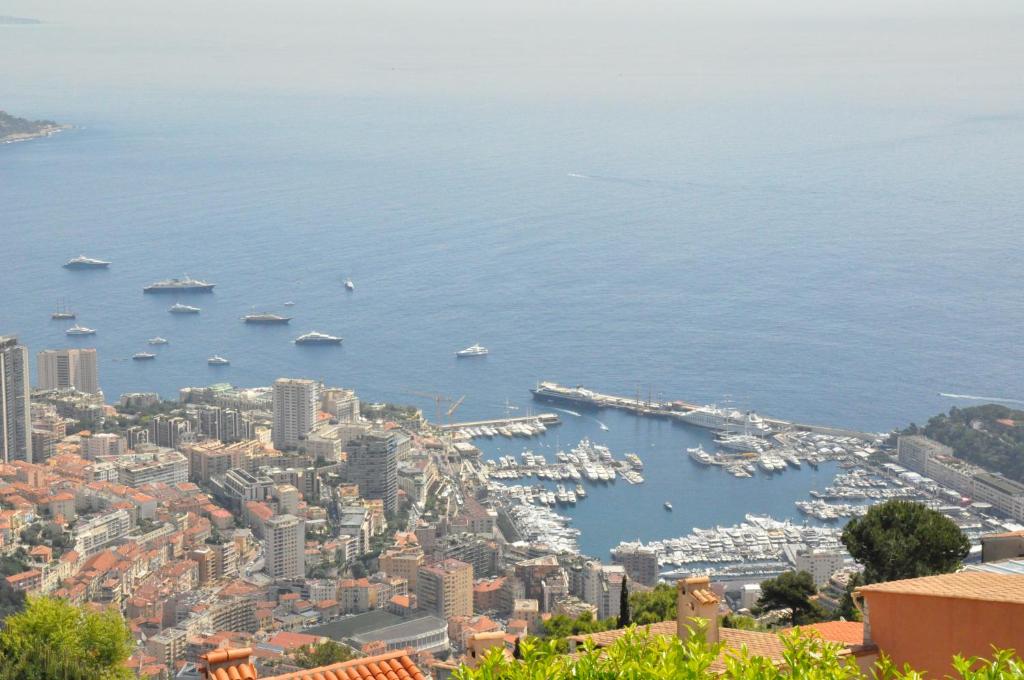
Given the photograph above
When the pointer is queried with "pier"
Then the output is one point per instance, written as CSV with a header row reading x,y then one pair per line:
x,y
675,409
545,418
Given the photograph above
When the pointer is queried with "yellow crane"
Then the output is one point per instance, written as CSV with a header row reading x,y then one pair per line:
x,y
437,398
455,406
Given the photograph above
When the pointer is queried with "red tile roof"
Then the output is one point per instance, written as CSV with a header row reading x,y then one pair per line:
x,y
392,666
965,585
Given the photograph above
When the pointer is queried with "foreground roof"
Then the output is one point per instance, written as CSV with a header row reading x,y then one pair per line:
x,y
393,666
984,586
756,643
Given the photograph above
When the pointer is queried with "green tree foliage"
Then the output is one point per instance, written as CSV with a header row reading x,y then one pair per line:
x,y
560,626
637,655
792,590
323,654
11,600
901,539
740,622
624,603
658,604
14,563
991,436
53,638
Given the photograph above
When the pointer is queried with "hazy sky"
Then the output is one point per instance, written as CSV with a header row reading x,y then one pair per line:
x,y
949,52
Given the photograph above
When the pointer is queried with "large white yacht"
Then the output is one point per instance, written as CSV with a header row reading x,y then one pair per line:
x,y
80,330
476,350
317,338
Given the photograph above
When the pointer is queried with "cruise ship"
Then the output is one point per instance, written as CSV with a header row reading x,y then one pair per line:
x,y
80,330
179,308
217,360
83,262
265,318
143,356
157,341
476,350
185,285
731,420
549,391
316,338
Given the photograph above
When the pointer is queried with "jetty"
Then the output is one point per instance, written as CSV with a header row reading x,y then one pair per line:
x,y
545,418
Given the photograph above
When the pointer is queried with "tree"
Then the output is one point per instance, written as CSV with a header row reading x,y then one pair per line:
x,y
11,600
740,622
792,590
54,638
654,605
901,539
624,619
322,654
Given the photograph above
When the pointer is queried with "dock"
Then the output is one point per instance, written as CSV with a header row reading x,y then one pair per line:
x,y
674,409
545,418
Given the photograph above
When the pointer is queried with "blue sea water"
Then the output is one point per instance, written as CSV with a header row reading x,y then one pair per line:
x,y
826,258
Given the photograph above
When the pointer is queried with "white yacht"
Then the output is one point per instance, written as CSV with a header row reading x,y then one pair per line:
x,y
472,351
143,356
157,341
80,330
83,262
179,308
217,360
668,506
349,285
316,338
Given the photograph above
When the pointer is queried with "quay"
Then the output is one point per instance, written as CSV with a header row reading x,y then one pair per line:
x,y
545,418
682,411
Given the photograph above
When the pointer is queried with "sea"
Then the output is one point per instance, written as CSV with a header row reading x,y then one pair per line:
x,y
831,234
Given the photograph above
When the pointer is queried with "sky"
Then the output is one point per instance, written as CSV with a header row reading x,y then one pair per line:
x,y
942,51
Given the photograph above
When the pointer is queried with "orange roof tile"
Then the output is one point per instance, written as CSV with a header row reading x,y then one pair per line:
x,y
963,586
391,666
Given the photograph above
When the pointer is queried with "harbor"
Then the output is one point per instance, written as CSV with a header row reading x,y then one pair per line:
x,y
798,488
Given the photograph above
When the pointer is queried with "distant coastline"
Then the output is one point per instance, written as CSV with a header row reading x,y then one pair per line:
x,y
18,21
14,129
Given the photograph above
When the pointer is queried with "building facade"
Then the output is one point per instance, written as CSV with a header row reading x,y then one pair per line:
x,y
295,408
445,589
15,410
62,369
373,465
285,537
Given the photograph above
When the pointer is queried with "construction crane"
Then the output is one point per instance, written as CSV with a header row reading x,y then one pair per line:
x,y
436,397
456,405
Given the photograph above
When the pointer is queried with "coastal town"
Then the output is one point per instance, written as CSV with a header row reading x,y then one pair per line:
x,y
277,517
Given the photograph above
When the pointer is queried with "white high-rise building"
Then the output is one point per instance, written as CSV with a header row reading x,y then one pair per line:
x,y
15,412
295,409
285,537
61,369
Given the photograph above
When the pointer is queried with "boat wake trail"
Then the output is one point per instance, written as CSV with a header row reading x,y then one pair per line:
x,y
977,398
565,410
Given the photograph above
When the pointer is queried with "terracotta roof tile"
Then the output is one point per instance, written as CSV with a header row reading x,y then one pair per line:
x,y
846,632
391,666
964,586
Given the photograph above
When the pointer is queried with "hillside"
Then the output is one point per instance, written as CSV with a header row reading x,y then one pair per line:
x,y
991,436
14,129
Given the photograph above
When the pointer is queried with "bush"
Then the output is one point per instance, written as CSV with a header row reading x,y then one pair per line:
x,y
637,655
